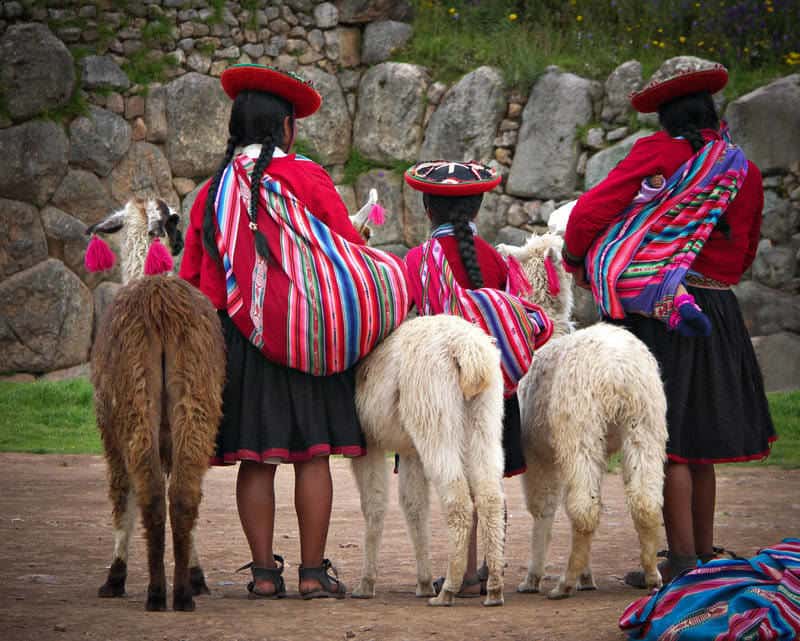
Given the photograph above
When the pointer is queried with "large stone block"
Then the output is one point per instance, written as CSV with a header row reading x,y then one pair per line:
x,y
464,124
102,72
774,266
22,242
83,195
329,131
779,358
390,195
416,225
766,123
143,172
547,151
767,311
197,113
604,161
34,161
358,11
47,319
388,123
623,81
36,70
780,218
98,140
155,115
382,39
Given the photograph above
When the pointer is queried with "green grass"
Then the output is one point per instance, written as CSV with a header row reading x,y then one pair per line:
x,y
146,66
523,37
157,31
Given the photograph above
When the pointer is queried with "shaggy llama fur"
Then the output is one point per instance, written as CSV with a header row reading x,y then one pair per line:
x,y
433,392
588,394
158,366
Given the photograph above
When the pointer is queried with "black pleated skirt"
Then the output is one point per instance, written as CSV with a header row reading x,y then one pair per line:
x,y
717,410
275,414
512,438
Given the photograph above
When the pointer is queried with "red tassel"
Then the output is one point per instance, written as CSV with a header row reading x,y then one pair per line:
x,y
553,284
98,257
158,260
377,214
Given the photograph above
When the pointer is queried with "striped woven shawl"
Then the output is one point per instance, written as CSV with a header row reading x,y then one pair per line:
x,y
517,326
638,263
319,303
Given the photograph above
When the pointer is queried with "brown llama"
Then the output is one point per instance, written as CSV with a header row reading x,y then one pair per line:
x,y
158,366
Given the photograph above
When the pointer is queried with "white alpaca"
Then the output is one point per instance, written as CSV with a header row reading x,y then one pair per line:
x,y
433,392
587,395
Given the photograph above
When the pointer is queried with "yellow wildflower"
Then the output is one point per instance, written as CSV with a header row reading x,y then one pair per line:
x,y
655,43
661,44
660,30
512,16
794,55
770,9
701,43
682,39
579,18
451,10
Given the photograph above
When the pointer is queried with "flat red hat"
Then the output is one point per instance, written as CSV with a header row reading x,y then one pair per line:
x,y
448,178
683,80
289,86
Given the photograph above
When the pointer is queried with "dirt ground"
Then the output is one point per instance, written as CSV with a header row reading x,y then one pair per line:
x,y
56,533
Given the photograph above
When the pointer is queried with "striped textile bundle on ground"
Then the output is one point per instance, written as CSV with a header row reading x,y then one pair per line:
x,y
725,600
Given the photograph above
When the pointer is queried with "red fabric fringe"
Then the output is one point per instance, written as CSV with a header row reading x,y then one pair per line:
x,y
98,257
553,284
158,260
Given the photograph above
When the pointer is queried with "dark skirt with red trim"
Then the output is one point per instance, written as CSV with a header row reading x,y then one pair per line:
x,y
717,410
512,438
275,414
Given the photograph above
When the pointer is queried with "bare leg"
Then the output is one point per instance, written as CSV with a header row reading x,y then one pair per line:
x,y
313,497
255,498
678,521
704,490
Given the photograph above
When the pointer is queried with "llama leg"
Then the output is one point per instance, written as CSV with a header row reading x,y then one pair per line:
x,y
583,508
196,575
185,492
124,516
149,487
372,480
414,495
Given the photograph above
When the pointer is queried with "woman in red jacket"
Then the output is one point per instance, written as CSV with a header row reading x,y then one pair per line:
x,y
256,247
716,407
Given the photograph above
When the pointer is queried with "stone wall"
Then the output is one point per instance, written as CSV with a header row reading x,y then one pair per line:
x,y
63,172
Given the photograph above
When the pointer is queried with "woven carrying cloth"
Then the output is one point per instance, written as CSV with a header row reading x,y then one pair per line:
x,y
517,326
725,600
638,263
330,301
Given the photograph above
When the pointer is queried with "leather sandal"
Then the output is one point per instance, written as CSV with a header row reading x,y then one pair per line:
x,y
330,585
479,577
674,565
273,575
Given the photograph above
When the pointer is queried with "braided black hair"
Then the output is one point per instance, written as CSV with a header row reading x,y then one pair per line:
x,y
687,115
256,117
458,210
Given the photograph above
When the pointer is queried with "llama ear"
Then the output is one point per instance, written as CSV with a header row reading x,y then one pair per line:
x,y
554,254
110,224
520,253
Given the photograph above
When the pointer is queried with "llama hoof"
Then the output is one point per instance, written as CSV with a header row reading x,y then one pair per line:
x,y
182,601
364,590
156,600
560,592
530,585
444,598
653,581
425,588
494,598
586,582
198,581
115,581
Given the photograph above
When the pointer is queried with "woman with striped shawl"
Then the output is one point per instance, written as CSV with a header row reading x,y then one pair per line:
x,y
702,230
301,299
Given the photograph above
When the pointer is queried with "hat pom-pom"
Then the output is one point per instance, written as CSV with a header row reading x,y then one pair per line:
x,y
158,260
98,257
377,214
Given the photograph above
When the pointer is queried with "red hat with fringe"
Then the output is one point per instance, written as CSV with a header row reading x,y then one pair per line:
x,y
679,77
285,84
448,178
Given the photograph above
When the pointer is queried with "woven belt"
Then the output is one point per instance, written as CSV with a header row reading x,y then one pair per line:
x,y
696,280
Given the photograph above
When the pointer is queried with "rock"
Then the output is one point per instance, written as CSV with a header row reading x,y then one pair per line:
x,y
255,51
503,156
22,243
197,115
623,81
617,134
779,358
601,163
198,62
36,70
326,15
67,374
492,215
98,140
358,11
329,130
780,218
115,103
774,266
595,138
48,319
83,195
144,172
35,158
547,152
390,195
18,378
464,124
155,114
416,226
102,72
511,236
767,311
349,79
766,123
390,110
584,311
104,295
134,107
383,38
183,185
349,46
517,216
348,195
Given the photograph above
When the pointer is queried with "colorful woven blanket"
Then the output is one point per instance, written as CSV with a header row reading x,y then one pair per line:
x,y
319,303
638,263
518,327
725,600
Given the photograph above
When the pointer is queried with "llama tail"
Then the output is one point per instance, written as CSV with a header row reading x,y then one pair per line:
x,y
477,363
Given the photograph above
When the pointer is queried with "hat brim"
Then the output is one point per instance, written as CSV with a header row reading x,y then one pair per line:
x,y
305,99
451,189
652,97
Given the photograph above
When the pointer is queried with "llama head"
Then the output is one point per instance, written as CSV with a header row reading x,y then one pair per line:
x,y
151,218
540,258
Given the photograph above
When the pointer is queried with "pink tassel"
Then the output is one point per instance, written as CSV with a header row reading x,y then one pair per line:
x,y
98,257
158,260
517,281
553,284
377,214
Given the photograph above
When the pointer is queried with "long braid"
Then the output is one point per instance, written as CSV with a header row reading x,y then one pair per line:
x,y
692,135
466,249
264,158
210,214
